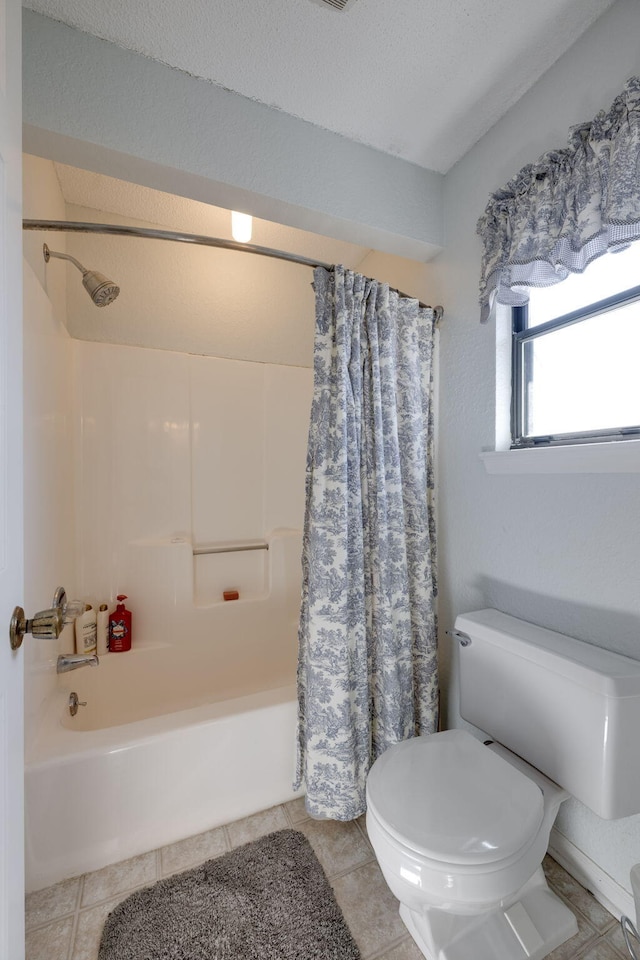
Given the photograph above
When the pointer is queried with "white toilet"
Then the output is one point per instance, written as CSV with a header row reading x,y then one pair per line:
x,y
460,828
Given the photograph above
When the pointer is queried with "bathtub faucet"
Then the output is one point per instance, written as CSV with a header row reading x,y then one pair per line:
x,y
72,661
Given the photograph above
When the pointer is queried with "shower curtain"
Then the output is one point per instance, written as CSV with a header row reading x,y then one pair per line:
x,y
367,675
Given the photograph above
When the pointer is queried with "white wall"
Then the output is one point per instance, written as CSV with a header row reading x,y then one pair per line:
x,y
561,551
48,436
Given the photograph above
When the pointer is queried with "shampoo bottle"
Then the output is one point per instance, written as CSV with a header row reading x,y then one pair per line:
x,y
120,627
86,631
103,629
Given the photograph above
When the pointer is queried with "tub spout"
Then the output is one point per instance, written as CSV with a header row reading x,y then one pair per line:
x,y
72,661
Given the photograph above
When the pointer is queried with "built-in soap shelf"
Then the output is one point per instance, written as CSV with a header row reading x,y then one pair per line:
x,y
197,573
257,569
230,565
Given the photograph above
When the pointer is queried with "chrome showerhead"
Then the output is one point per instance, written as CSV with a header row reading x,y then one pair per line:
x,y
102,291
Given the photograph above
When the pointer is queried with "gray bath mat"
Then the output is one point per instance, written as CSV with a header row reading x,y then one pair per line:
x,y
268,900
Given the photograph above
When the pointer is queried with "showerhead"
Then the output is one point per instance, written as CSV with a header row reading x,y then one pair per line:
x,y
102,291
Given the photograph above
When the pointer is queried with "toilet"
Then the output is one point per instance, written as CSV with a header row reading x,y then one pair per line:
x,y
460,821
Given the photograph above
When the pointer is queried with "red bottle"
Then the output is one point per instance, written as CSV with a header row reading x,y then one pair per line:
x,y
120,627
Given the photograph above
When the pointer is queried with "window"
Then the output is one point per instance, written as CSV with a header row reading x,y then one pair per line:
x,y
576,357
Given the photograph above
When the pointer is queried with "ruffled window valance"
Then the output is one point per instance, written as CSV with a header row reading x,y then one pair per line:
x,y
555,216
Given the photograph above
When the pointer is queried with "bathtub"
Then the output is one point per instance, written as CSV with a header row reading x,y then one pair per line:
x,y
169,745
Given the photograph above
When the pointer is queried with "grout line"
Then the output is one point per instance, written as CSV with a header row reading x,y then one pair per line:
x,y
227,837
60,916
47,923
124,892
80,892
360,827
364,834
613,947
352,869
587,948
405,938
590,942
287,817
74,930
575,909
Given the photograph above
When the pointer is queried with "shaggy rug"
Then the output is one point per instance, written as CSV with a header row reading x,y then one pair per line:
x,y
267,900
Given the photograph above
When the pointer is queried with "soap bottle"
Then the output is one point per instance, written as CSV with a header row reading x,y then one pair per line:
x,y
86,631
120,627
103,630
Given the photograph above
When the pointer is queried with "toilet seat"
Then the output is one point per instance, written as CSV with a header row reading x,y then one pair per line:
x,y
451,800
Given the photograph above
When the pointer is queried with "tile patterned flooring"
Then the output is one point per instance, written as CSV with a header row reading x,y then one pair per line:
x,y
64,922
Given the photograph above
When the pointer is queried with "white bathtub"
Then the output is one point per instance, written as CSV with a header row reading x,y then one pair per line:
x,y
126,776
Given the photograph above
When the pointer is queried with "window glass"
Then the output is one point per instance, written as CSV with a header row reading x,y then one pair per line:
x,y
577,378
586,376
603,277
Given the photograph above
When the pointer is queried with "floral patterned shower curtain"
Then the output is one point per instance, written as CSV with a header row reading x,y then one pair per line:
x,y
367,673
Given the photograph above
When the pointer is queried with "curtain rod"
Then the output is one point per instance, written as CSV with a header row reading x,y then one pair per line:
x,y
74,226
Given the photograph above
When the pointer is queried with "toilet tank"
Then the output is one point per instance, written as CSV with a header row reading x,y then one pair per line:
x,y
569,708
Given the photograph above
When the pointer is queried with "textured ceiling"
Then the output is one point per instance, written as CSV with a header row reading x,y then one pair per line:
x,y
419,79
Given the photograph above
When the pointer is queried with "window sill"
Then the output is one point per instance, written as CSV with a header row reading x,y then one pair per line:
x,y
621,456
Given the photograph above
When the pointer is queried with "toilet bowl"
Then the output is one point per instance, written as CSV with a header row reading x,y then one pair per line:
x,y
460,826
459,830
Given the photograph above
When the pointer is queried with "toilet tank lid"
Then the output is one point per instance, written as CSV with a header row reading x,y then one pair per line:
x,y
610,674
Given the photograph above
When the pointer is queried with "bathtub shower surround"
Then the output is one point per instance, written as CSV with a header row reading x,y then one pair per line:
x,y
367,675
179,453
176,455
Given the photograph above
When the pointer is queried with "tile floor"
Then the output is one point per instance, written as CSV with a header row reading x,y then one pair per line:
x,y
64,922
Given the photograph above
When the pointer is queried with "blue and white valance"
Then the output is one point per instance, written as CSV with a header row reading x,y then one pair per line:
x,y
555,216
